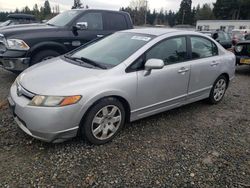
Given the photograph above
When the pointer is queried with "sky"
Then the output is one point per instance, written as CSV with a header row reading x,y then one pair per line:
x,y
7,5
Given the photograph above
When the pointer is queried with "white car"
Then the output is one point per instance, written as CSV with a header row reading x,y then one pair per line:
x,y
124,77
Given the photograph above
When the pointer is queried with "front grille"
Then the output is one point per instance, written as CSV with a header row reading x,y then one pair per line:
x,y
2,44
21,91
2,48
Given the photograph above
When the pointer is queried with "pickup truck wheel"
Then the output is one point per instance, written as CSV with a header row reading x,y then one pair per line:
x,y
219,89
43,56
103,121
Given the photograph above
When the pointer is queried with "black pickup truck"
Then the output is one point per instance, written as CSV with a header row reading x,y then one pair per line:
x,y
24,45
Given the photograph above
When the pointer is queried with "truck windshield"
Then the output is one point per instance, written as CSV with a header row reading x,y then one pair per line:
x,y
64,18
113,49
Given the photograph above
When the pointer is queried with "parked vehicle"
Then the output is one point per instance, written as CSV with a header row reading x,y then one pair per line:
x,y
25,45
220,36
127,76
239,35
242,51
16,19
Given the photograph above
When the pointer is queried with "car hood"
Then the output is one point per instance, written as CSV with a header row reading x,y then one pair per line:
x,y
24,28
57,76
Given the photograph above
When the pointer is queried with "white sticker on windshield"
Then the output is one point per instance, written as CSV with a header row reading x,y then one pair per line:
x,y
141,38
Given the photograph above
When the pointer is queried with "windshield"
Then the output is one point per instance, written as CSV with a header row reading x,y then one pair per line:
x,y
5,23
113,49
224,36
63,18
238,35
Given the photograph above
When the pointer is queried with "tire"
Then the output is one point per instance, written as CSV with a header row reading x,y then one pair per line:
x,y
103,121
44,55
218,90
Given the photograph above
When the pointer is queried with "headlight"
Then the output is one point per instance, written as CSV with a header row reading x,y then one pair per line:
x,y
16,44
54,101
238,48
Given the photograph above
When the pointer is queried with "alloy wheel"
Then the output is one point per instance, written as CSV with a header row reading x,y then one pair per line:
x,y
219,90
106,122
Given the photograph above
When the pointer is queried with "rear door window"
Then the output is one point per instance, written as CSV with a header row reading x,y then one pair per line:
x,y
202,48
115,21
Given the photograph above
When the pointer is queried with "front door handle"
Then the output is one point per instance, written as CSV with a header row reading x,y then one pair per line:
x,y
99,36
183,70
214,63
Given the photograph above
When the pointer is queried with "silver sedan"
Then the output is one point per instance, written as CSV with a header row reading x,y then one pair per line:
x,y
127,76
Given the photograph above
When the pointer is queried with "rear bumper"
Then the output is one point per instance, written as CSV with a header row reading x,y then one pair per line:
x,y
238,58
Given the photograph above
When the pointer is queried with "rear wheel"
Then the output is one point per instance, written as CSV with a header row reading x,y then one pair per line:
x,y
219,89
43,56
103,122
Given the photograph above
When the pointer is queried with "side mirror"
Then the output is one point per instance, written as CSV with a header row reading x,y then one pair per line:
x,y
82,25
153,64
215,36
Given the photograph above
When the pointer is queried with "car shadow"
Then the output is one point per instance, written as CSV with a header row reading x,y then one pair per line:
x,y
78,141
243,70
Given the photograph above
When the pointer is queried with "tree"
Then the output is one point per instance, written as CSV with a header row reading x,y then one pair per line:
x,y
138,4
47,8
204,13
36,11
171,18
139,11
226,9
185,12
77,4
26,10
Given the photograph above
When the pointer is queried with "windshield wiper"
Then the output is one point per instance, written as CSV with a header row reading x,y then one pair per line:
x,y
91,62
50,24
87,61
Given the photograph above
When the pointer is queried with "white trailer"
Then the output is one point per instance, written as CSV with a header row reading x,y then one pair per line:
x,y
225,25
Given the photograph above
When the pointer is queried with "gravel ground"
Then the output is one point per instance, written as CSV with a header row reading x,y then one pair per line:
x,y
197,145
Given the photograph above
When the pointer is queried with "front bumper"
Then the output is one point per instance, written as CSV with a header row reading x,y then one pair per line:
x,y
15,64
49,124
14,60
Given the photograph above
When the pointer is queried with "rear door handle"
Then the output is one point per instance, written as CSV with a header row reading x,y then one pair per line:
x,y
214,63
99,36
183,70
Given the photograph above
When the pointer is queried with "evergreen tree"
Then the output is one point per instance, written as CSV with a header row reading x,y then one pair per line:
x,y
226,9
204,13
185,12
77,4
36,11
47,8
26,10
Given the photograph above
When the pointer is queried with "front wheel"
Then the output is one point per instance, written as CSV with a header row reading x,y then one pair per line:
x,y
104,120
43,56
219,89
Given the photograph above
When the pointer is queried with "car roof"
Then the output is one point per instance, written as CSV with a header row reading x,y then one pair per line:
x,y
151,31
160,31
21,16
101,10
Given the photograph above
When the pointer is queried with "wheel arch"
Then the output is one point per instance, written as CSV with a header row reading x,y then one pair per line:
x,y
61,49
227,77
124,102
